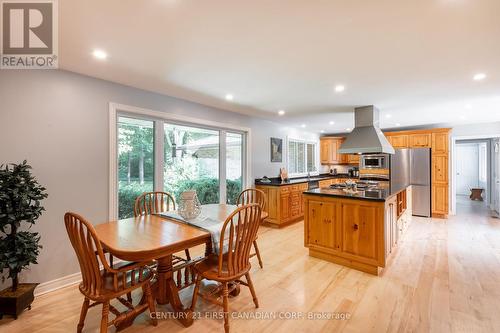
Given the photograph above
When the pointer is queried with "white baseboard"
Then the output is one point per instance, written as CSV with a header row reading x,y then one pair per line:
x,y
59,283
65,281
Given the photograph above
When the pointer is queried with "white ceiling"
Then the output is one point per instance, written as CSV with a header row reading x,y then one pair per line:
x,y
413,59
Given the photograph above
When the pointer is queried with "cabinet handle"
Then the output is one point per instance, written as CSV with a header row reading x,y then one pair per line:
x,y
355,226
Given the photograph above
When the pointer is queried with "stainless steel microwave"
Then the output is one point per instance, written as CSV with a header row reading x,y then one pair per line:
x,y
374,161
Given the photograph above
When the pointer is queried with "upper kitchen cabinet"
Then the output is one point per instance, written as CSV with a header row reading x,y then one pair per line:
x,y
353,159
329,150
325,150
420,140
398,141
440,142
329,154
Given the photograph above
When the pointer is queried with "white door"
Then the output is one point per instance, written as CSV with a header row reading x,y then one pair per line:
x,y
467,167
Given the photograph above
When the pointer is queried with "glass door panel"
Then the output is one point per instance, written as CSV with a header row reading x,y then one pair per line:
x,y
234,166
192,162
135,162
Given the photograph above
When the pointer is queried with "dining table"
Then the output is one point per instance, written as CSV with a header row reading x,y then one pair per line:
x,y
155,237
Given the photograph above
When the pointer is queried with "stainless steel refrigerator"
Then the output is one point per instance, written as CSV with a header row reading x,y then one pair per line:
x,y
420,180
400,169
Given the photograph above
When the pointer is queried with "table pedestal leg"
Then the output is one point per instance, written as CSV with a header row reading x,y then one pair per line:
x,y
167,292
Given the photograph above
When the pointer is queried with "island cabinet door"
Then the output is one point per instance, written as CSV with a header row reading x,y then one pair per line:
x,y
285,205
359,228
322,218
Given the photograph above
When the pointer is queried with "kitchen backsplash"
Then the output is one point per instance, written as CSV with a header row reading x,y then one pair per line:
x,y
340,168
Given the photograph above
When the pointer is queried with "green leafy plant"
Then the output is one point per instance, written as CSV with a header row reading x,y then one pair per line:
x,y
206,188
20,201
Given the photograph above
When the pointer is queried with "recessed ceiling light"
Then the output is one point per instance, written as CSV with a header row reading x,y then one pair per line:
x,y
348,129
331,122
479,77
339,88
281,112
303,125
229,97
468,106
100,54
388,116
322,131
462,117
398,124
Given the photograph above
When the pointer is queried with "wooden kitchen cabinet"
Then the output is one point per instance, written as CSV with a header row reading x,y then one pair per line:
x,y
440,169
420,140
398,141
325,151
329,154
285,204
342,158
440,200
359,231
440,143
322,228
302,188
326,182
353,159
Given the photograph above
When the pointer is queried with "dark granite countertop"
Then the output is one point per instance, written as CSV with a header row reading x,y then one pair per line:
x,y
377,194
278,182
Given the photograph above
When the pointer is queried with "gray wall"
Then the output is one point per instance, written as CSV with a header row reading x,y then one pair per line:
x,y
58,121
482,129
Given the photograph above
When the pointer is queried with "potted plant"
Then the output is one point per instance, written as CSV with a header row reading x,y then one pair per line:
x,y
20,198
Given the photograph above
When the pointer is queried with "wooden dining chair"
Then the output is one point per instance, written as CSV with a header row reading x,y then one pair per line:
x,y
153,203
102,286
259,197
233,261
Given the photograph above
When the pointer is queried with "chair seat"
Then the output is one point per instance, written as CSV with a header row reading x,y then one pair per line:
x,y
209,269
107,279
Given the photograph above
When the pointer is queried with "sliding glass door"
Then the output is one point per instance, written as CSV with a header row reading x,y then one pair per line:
x,y
234,166
135,162
192,162
159,155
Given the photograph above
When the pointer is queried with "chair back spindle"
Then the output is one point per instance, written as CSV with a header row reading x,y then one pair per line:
x,y
252,195
153,203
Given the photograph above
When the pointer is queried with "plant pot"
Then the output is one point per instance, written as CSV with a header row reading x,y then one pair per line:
x,y
14,302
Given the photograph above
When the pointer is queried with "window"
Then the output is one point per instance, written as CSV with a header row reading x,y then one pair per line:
x,y
192,162
135,162
311,157
301,157
234,166
154,153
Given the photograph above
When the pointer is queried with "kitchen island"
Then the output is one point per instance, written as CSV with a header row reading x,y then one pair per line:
x,y
359,230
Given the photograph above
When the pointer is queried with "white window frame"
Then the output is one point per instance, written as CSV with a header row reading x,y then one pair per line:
x,y
160,118
316,156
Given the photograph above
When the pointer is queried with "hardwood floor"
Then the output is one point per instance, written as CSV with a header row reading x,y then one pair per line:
x,y
444,277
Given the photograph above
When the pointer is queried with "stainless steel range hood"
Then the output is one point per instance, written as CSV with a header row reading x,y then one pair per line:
x,y
366,136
